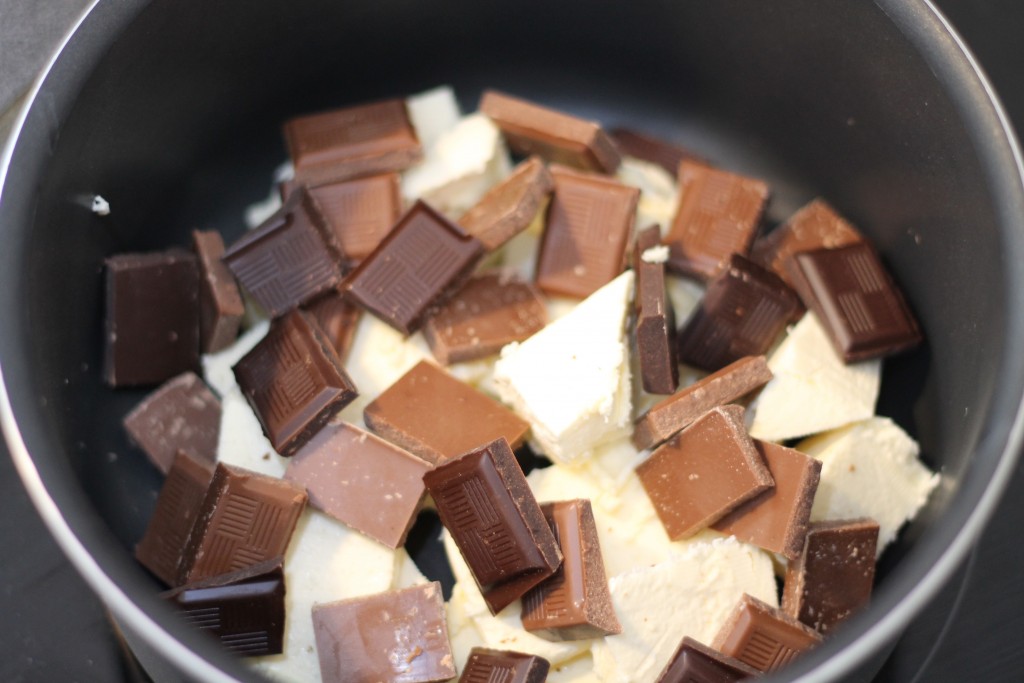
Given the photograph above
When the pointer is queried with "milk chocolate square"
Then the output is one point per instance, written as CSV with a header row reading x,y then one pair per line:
x,y
503,666
655,329
220,302
509,207
338,318
694,662
761,636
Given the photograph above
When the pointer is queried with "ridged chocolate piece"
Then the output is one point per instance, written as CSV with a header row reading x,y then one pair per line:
x,y
761,636
399,636
589,225
551,135
678,411
416,268
743,311
152,317
697,663
177,508
503,666
220,302
655,329
357,141
815,226
294,381
183,414
490,311
574,603
244,610
289,259
509,207
435,416
244,519
704,472
833,576
369,484
338,318
719,214
858,304
651,149
777,520
487,506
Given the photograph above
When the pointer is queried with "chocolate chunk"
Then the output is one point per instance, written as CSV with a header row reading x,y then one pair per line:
x,y
574,603
491,310
742,313
509,207
370,485
589,223
704,472
152,317
244,610
220,302
294,382
719,214
652,150
355,141
487,506
338,318
763,637
672,414
244,518
856,301
183,414
833,576
398,635
655,319
697,663
435,416
815,226
777,519
503,666
177,508
417,267
552,135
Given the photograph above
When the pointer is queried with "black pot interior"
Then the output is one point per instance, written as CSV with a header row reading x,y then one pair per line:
x,y
178,127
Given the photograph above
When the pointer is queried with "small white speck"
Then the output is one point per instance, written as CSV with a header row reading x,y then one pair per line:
x,y
100,206
658,254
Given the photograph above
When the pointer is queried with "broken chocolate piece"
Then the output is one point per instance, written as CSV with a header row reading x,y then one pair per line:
x,y
858,304
338,318
244,518
177,508
435,416
487,506
289,259
704,472
416,268
574,603
220,303
509,207
503,666
183,414
399,635
676,412
589,224
652,150
152,317
832,578
491,310
719,214
370,485
294,382
742,313
357,141
694,662
763,637
243,609
777,520
655,319
552,135
815,226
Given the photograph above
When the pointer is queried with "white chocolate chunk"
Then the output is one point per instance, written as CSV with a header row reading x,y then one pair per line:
x,y
571,380
432,113
685,295
260,211
659,193
407,574
241,441
579,670
217,366
870,469
812,389
690,594
656,254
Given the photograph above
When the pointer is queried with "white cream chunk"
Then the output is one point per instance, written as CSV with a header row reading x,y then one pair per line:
x,y
241,441
659,192
432,113
571,380
812,389
407,574
870,469
260,211
217,366
690,594
579,670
